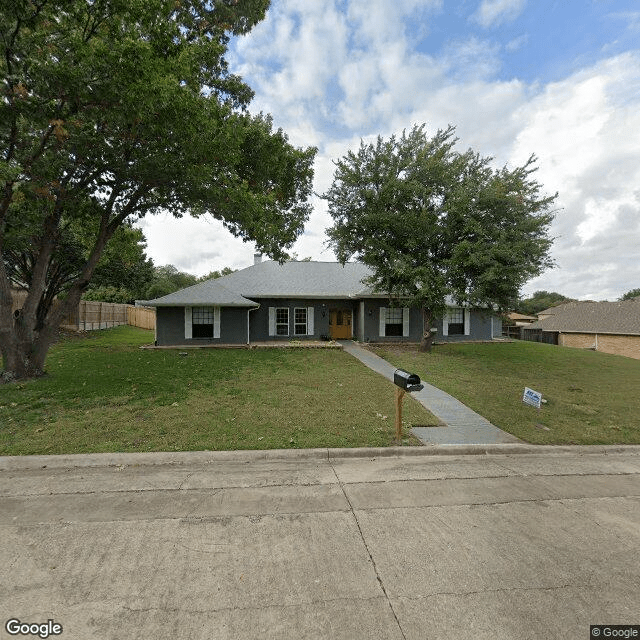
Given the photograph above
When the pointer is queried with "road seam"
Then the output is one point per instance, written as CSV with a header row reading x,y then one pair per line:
x,y
366,546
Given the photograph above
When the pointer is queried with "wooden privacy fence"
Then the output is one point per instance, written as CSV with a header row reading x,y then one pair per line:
x,y
92,315
143,317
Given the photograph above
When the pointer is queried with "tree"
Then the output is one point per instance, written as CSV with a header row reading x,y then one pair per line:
x,y
122,274
112,110
539,301
214,275
168,279
634,293
432,222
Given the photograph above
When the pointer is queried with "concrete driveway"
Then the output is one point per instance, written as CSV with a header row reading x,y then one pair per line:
x,y
507,541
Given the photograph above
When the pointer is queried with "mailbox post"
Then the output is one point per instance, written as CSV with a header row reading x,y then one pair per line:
x,y
405,382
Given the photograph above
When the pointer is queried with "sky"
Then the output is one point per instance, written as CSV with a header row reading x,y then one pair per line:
x,y
558,79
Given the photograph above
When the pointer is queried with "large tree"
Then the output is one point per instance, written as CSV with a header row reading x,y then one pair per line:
x,y
114,109
432,222
540,301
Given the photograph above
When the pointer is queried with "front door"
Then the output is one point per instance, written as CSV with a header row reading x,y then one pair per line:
x,y
340,324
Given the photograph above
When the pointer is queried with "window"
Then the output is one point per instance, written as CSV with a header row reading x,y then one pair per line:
x,y
456,322
282,321
202,319
393,322
300,321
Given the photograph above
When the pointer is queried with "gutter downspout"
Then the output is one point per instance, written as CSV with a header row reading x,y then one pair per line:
x,y
248,324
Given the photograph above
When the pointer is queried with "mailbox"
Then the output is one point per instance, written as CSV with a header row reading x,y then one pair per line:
x,y
407,381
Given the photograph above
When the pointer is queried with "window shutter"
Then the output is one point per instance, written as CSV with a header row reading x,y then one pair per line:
x,y
216,322
467,322
383,321
188,333
445,323
405,322
272,321
310,328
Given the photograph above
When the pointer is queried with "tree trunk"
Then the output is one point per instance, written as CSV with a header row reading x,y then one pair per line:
x,y
427,335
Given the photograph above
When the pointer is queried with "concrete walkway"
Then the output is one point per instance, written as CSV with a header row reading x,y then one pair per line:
x,y
526,543
461,424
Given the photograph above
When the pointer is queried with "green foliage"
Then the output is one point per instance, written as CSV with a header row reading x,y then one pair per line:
x,y
212,275
634,293
114,110
540,301
168,279
432,222
110,294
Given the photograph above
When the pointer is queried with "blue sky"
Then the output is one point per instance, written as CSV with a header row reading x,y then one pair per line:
x,y
560,79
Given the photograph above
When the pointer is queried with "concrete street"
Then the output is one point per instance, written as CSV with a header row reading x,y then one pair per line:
x,y
487,542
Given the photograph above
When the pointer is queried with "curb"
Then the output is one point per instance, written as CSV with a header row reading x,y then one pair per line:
x,y
14,463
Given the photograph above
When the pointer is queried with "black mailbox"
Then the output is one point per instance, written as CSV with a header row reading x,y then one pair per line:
x,y
407,381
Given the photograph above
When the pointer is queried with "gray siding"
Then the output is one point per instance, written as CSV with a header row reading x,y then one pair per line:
x,y
260,318
481,324
366,327
371,327
480,328
170,327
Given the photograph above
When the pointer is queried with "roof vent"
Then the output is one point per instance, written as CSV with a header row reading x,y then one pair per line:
x,y
257,258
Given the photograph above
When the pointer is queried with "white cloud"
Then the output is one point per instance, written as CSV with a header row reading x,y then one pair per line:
x,y
492,13
332,75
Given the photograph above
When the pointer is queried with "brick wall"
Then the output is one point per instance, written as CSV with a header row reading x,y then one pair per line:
x,y
628,346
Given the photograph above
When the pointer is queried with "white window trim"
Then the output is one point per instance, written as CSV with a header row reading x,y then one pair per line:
x,y
281,324
467,321
306,321
216,322
383,322
188,324
310,321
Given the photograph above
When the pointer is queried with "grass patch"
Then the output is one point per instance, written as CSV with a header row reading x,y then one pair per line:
x,y
104,394
592,398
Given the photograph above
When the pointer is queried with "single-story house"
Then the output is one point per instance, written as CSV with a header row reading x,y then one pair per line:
x,y
611,327
302,301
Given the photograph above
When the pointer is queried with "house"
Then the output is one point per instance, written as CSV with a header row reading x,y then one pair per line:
x,y
611,327
301,301
512,328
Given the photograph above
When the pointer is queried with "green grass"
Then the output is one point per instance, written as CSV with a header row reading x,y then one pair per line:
x,y
102,394
592,398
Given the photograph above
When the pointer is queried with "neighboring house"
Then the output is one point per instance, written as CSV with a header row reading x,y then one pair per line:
x,y
302,301
514,324
520,320
611,327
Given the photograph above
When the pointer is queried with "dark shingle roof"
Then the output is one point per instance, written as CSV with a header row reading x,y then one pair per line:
x,y
272,280
592,317
210,292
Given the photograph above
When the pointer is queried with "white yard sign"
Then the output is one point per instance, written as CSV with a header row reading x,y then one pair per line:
x,y
532,397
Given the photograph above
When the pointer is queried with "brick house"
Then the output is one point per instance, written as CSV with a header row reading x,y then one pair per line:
x,y
610,327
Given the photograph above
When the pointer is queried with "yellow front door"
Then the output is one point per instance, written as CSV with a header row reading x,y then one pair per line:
x,y
340,324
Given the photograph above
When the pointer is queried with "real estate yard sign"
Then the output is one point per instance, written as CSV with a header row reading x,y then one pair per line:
x,y
532,397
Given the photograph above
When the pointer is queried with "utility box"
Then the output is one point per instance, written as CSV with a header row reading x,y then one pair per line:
x,y
407,381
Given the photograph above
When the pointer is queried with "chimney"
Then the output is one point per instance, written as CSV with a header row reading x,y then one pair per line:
x,y
257,258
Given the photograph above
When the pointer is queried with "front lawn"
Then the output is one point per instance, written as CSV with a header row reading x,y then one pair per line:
x,y
104,394
592,398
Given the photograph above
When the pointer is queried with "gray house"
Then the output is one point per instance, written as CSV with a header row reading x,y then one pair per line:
x,y
302,301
